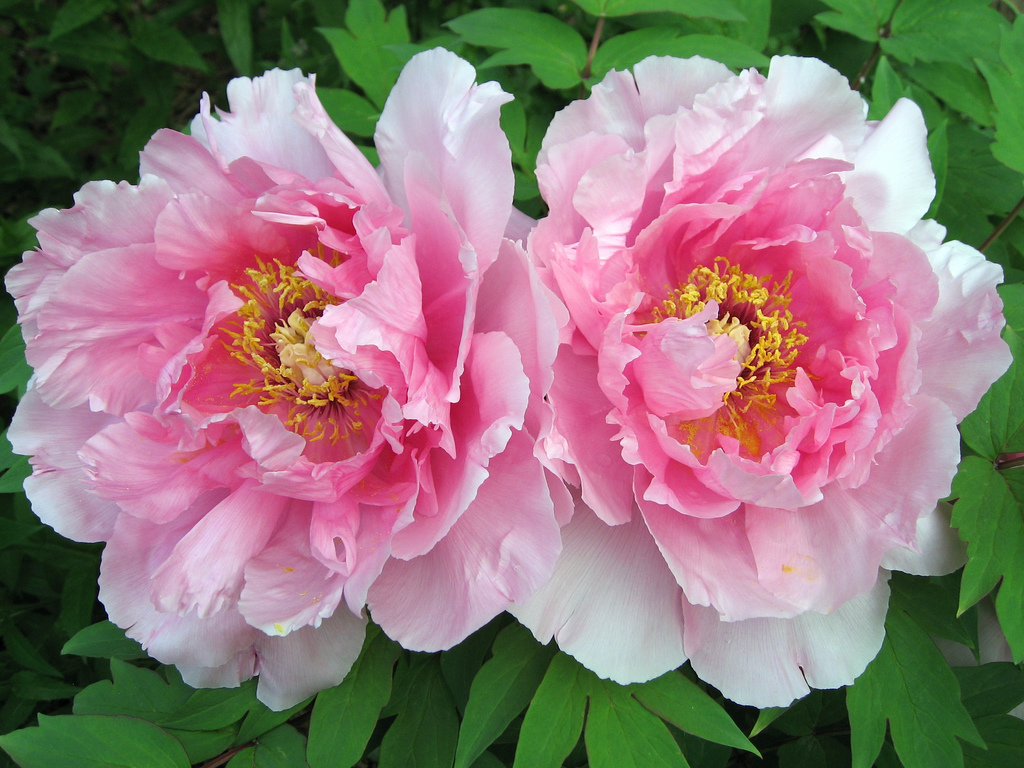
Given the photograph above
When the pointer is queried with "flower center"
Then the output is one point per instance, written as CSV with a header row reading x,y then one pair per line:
x,y
315,398
754,312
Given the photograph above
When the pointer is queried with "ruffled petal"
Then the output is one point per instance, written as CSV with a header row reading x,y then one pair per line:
x,y
496,554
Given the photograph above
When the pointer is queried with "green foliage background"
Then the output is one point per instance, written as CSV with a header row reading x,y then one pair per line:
x,y
84,83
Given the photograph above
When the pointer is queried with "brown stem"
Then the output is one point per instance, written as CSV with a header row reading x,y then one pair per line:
x,y
1003,225
872,58
224,758
593,46
1010,461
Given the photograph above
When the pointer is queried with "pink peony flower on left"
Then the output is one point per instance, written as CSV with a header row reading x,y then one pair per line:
x,y
282,386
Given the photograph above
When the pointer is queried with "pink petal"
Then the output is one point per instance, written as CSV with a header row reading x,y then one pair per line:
x,y
204,570
436,113
497,553
260,125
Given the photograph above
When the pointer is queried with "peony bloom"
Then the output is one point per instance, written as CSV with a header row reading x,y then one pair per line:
x,y
281,388
758,392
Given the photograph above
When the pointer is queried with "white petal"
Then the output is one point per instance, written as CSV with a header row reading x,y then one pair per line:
x,y
611,603
939,550
892,183
296,666
770,662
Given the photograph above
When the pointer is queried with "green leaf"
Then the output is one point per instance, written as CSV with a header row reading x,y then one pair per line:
x,y
144,693
910,684
805,752
460,664
962,88
261,720
14,371
732,53
1013,305
1004,82
236,32
426,730
362,48
32,685
675,698
766,717
943,30
25,653
93,741
501,690
554,720
622,734
997,425
988,514
555,51
708,9
77,13
344,716
1004,737
200,746
624,50
14,478
990,689
860,18
938,153
103,640
349,111
283,747
166,44
886,90
931,606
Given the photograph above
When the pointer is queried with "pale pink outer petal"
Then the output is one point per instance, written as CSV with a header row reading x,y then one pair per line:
x,y
204,570
58,488
187,166
133,553
500,551
960,352
611,603
294,667
437,112
770,662
892,183
259,125
937,549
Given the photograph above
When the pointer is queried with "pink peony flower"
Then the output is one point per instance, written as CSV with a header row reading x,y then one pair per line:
x,y
281,388
758,392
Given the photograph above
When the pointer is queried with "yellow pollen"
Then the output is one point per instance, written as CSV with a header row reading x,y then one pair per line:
x,y
272,335
753,312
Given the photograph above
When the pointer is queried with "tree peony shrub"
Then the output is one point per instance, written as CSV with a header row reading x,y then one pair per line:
x,y
281,388
758,392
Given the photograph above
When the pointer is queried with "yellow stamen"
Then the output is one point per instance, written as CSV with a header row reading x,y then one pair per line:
x,y
272,335
754,312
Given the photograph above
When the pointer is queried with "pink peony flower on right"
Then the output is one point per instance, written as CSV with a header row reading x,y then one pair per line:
x,y
757,395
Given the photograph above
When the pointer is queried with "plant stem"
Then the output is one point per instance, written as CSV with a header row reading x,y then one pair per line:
x,y
1003,225
224,758
593,47
1010,461
872,58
